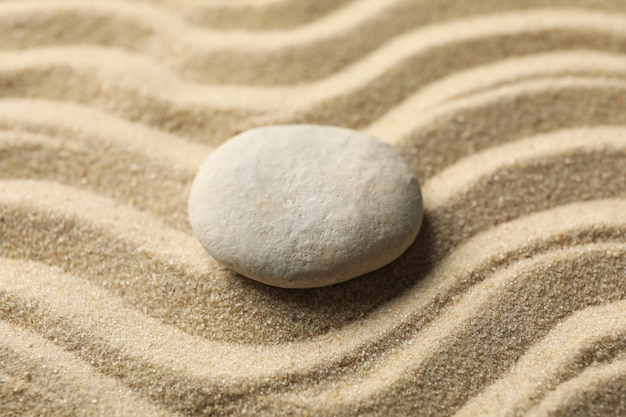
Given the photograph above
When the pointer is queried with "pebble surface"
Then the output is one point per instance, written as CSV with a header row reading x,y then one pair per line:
x,y
302,206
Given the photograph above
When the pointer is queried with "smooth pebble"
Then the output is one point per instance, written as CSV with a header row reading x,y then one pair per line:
x,y
301,206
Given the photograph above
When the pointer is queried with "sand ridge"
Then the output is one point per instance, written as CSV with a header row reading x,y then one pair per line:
x,y
512,114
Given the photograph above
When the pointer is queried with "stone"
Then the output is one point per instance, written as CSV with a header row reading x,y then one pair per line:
x,y
302,206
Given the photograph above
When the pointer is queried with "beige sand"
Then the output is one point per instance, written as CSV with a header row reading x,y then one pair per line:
x,y
511,301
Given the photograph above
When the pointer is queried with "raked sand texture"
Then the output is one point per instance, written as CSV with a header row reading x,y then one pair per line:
x,y
512,300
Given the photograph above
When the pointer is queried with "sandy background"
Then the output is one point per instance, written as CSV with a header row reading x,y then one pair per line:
x,y
512,301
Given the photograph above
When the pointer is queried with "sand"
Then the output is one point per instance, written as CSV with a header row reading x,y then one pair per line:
x,y
512,300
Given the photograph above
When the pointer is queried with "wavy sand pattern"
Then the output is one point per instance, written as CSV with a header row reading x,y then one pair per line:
x,y
511,302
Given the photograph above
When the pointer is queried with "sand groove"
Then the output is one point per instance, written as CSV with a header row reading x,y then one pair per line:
x,y
61,383
275,57
602,391
117,83
433,359
512,114
544,370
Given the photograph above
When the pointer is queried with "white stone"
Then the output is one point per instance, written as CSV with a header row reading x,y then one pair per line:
x,y
303,206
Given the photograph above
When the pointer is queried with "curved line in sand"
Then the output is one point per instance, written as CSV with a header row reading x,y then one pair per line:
x,y
546,368
174,248
167,179
197,45
376,345
129,332
106,71
187,113
79,121
62,382
154,21
602,142
257,15
90,125
302,359
101,214
124,76
179,108
583,392
491,98
482,199
462,127
439,336
458,178
160,355
504,28
89,163
366,107
438,191
401,120
237,4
